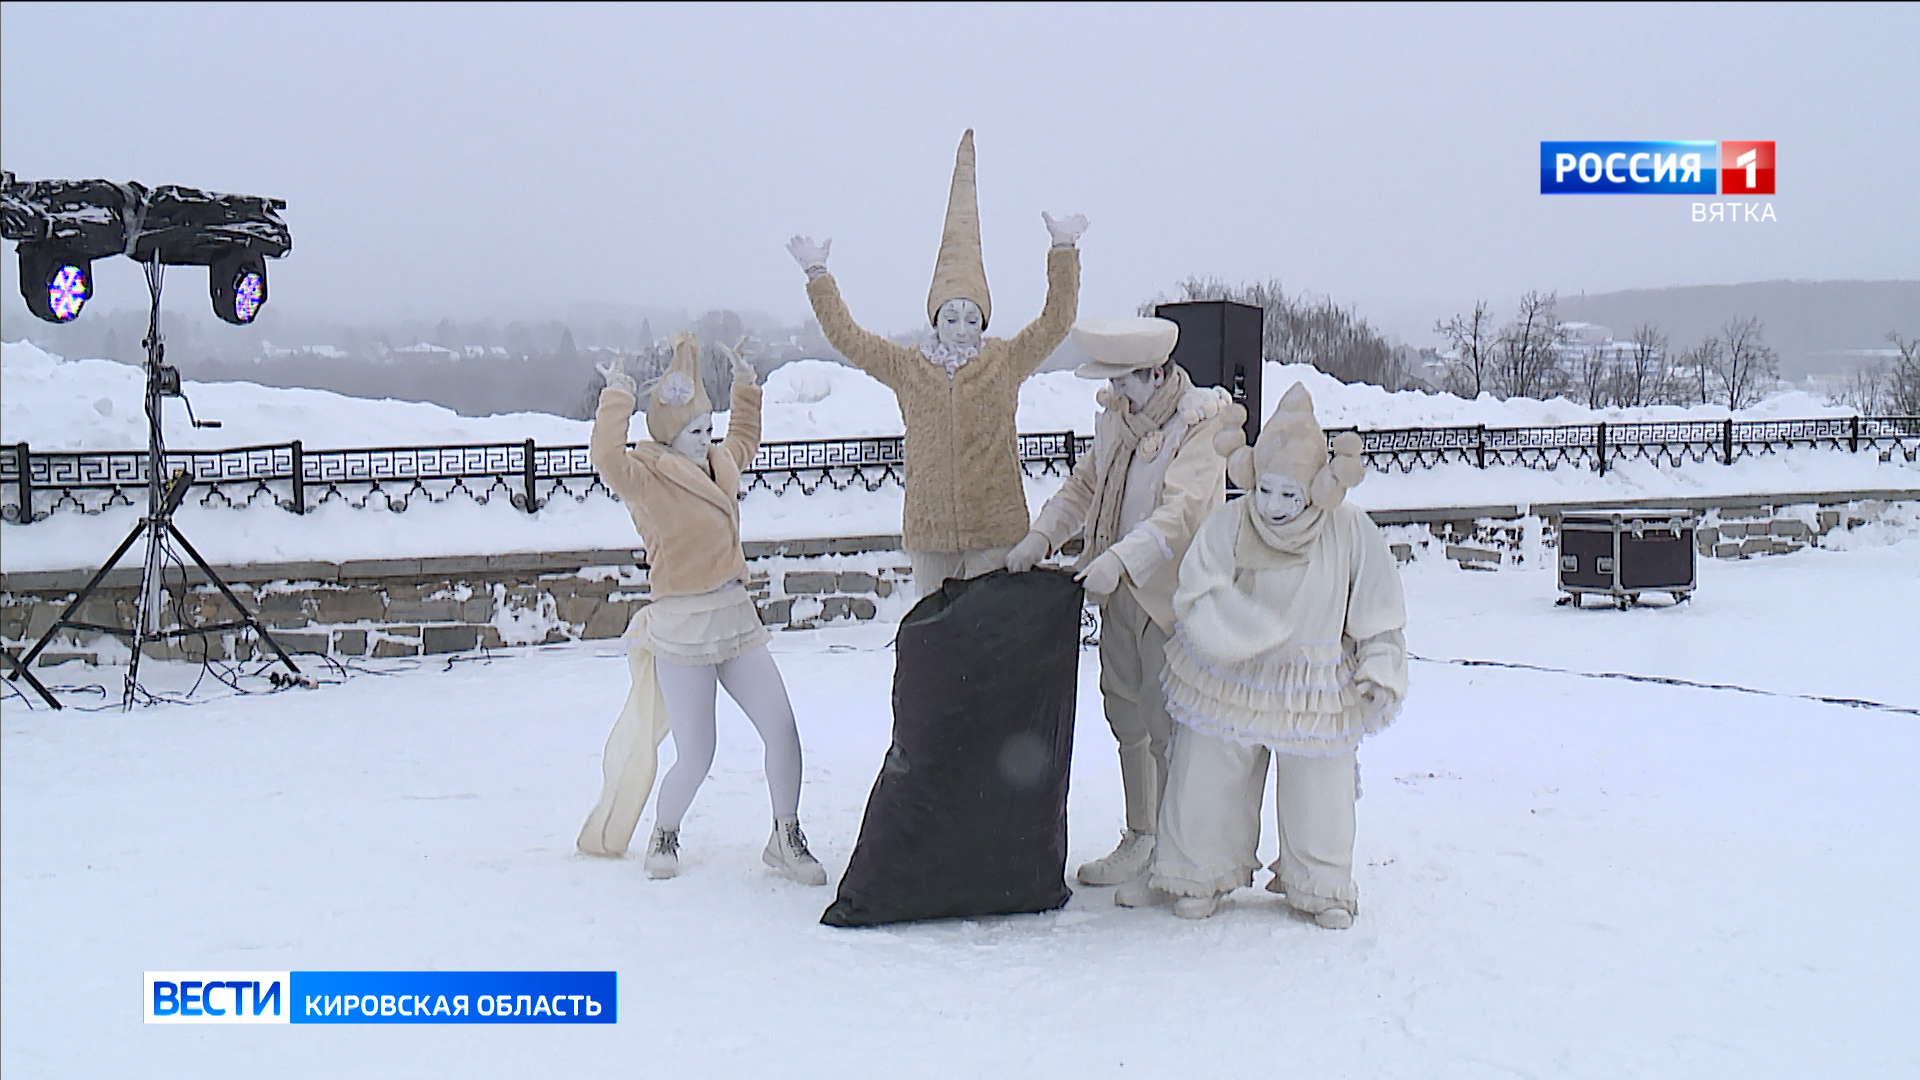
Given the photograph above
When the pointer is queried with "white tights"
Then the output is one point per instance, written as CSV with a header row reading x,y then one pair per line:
x,y
753,681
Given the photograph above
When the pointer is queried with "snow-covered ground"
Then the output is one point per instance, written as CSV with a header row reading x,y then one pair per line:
x,y
1560,876
95,404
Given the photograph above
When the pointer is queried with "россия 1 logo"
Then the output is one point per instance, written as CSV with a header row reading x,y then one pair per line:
x,y
1656,168
1664,168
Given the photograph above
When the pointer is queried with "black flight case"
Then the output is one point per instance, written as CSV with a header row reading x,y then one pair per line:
x,y
1623,553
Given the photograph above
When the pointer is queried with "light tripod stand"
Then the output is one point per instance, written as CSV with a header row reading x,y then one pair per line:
x,y
164,495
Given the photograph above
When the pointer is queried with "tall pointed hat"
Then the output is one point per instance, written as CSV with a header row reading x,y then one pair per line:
x,y
679,396
960,273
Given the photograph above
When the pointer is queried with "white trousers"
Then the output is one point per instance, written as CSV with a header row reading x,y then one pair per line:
x,y
1210,822
753,681
1133,650
932,568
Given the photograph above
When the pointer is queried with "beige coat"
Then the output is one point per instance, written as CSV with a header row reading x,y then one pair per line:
x,y
688,521
1167,496
963,463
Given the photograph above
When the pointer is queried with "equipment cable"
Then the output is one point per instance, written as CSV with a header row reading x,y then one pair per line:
x,y
1666,680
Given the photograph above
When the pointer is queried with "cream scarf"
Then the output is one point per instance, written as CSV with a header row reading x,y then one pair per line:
x,y
1116,457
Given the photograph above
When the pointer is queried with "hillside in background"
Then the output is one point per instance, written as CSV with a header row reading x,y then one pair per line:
x,y
1817,327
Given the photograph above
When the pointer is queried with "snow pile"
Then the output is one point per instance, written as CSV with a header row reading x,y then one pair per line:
x,y
56,404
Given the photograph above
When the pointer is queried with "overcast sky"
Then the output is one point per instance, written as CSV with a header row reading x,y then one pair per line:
x,y
510,160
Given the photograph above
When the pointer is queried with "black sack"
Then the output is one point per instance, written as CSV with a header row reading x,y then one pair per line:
x,y
969,814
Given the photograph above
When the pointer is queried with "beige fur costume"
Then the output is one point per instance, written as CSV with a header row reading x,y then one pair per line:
x,y
964,490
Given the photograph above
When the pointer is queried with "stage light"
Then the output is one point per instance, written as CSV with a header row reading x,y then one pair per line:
x,y
55,283
237,283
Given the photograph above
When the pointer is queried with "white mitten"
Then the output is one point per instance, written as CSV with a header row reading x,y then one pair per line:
x,y
1027,552
617,378
1377,696
1102,575
742,370
1065,231
812,257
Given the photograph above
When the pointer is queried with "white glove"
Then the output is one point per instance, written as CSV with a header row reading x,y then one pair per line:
x,y
1102,575
1377,696
812,257
1065,231
742,370
1028,551
614,371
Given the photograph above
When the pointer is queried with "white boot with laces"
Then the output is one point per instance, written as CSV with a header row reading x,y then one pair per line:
x,y
787,852
663,853
1127,862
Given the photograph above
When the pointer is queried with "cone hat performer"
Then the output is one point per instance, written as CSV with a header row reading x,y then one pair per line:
x,y
958,389
702,630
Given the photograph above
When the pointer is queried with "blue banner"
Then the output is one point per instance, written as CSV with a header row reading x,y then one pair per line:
x,y
453,997
1629,168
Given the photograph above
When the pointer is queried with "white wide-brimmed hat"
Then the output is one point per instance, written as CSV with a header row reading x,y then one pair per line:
x,y
1115,347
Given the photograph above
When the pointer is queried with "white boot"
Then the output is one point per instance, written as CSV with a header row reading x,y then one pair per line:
x,y
1135,892
1127,862
787,852
663,853
1334,918
1196,907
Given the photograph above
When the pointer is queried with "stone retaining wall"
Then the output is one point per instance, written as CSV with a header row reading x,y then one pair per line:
x,y
395,608
414,607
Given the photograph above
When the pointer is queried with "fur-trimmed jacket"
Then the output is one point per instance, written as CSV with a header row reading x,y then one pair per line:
x,y
964,488
1177,478
688,516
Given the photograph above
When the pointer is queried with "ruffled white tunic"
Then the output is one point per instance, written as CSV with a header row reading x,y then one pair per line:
x,y
1274,627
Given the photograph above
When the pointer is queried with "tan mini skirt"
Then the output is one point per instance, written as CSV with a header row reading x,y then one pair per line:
x,y
705,628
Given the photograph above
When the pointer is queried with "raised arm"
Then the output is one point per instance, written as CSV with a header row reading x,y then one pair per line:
x,y
743,422
607,445
866,350
1036,341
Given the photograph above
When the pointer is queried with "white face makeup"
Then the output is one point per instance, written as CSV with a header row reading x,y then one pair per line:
x,y
1278,498
693,440
1139,386
958,324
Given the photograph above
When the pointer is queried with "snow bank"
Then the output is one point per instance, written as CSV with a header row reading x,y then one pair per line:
x,y
57,404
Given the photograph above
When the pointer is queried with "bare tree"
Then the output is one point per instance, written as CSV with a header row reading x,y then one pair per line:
x,y
1470,339
1527,351
1865,390
1903,380
1592,375
1747,367
1644,377
1699,363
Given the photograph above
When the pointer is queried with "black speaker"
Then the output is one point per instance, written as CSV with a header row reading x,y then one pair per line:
x,y
1220,346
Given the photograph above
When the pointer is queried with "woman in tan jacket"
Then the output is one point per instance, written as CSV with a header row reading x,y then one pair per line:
x,y
958,390
701,630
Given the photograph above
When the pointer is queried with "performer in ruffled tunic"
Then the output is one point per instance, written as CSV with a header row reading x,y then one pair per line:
x,y
1287,645
701,630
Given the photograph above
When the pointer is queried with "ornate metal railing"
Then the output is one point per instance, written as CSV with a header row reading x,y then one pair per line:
x,y
529,476
1604,445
